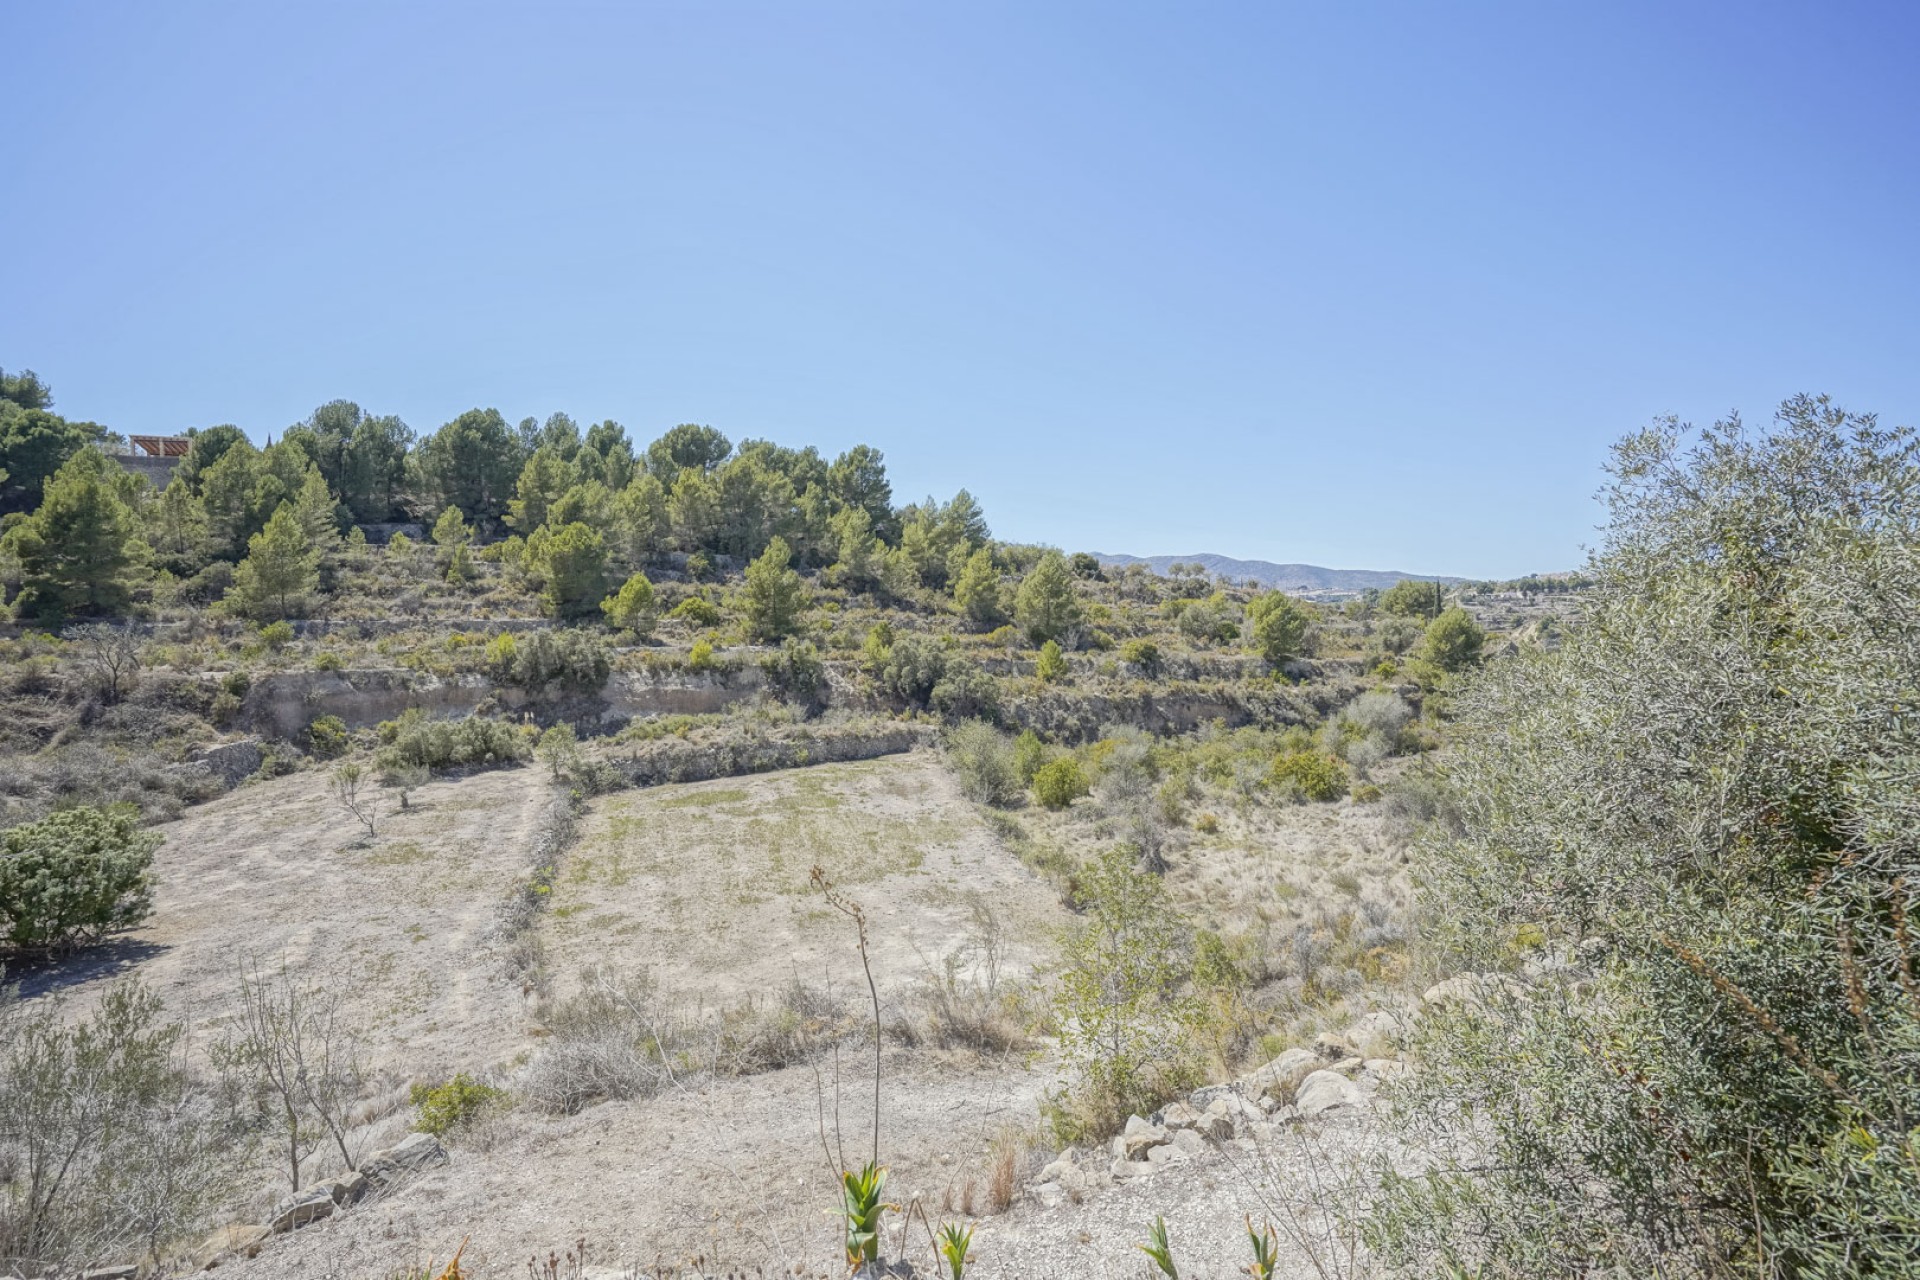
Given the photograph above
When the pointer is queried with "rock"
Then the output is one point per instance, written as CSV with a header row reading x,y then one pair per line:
x,y
1325,1090
125,1271
297,1211
1282,1075
1348,1066
1051,1195
1164,1153
1124,1169
1332,1048
1376,1028
241,1239
1136,1143
419,1151
1188,1142
1179,1115
348,1188
1065,1174
232,761
1384,1068
1205,1095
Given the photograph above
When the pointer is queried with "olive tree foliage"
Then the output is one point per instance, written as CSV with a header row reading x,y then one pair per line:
x,y
108,1145
1698,818
1124,1018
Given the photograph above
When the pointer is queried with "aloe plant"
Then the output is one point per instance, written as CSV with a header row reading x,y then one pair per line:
x,y
1266,1250
954,1247
863,1209
1159,1250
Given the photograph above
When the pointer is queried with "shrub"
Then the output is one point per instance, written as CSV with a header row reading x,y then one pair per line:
x,y
277,635
417,742
1060,782
1125,1024
631,607
1051,665
984,761
796,673
700,657
455,1105
73,877
1317,775
328,660
1029,753
571,661
1453,641
327,737
697,611
1143,656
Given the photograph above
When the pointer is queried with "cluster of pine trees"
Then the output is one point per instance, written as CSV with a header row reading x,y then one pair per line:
x,y
579,512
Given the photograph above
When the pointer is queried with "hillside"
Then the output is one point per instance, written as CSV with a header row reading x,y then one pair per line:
x,y
1300,578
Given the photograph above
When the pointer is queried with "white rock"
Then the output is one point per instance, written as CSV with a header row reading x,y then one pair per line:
x,y
1280,1076
1189,1142
297,1211
1325,1090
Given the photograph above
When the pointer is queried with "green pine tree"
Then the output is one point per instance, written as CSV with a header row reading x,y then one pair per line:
x,y
281,570
80,551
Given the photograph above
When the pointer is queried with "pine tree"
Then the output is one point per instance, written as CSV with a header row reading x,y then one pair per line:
x,y
281,570
80,551
978,593
774,594
177,529
1046,607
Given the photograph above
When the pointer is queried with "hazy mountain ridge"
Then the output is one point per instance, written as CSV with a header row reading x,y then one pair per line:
x,y
1290,577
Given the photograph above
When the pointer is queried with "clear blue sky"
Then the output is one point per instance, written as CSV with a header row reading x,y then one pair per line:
x,y
1358,285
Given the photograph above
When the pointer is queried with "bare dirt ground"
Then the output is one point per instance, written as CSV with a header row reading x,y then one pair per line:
x,y
278,872
706,885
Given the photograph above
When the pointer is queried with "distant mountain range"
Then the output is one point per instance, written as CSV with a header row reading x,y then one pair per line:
x,y
1287,577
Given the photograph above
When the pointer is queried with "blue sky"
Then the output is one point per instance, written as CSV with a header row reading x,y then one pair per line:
x,y
1351,284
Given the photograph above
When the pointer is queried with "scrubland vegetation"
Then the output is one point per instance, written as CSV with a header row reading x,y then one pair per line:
x,y
1599,884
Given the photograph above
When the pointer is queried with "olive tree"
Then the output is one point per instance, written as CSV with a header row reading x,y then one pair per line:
x,y
1681,869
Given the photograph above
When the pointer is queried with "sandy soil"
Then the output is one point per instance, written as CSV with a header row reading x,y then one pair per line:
x,y
706,885
277,872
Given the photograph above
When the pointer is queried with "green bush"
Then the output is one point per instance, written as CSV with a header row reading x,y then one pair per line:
x,y
277,635
697,611
1319,776
418,742
328,660
796,673
1029,753
1059,783
327,737
700,657
1051,665
631,607
1453,641
984,761
455,1105
570,661
1143,656
73,877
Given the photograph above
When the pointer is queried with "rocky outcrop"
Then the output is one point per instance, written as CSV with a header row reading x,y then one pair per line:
x,y
231,762
381,1171
285,703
